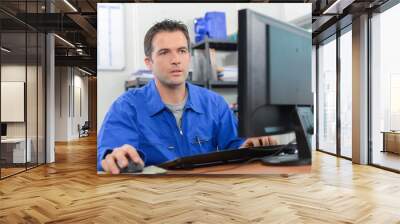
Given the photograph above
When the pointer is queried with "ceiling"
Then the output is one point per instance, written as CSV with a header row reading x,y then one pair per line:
x,y
76,20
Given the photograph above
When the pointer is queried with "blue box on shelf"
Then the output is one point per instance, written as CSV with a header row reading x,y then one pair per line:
x,y
213,25
216,24
200,29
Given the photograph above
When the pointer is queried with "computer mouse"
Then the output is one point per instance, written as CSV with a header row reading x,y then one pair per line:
x,y
132,167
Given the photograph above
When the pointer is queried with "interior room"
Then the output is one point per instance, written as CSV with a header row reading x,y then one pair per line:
x,y
59,79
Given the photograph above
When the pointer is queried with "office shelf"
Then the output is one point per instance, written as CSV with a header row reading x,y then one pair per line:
x,y
209,73
213,84
223,84
138,82
206,44
222,45
198,83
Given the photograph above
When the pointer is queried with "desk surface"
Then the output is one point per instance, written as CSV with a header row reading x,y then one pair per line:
x,y
390,132
240,168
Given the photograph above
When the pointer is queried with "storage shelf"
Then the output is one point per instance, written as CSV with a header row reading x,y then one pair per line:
x,y
223,84
222,45
139,83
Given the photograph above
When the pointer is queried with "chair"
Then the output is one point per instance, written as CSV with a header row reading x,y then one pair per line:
x,y
84,130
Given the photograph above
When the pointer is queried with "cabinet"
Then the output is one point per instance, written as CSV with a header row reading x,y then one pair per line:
x,y
139,82
14,152
391,142
208,74
205,76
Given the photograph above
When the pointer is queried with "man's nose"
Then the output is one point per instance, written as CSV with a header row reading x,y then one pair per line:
x,y
175,58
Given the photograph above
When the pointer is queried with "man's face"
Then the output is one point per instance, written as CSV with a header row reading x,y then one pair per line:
x,y
170,58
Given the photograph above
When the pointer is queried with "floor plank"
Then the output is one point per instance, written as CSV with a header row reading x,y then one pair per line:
x,y
70,191
386,159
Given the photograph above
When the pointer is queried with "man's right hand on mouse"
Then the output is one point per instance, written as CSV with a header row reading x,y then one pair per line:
x,y
119,159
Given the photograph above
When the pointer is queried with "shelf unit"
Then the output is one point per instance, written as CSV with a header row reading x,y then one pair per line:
x,y
223,45
218,45
139,82
222,84
136,83
206,44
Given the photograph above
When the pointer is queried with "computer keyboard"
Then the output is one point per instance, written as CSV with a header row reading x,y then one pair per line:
x,y
228,156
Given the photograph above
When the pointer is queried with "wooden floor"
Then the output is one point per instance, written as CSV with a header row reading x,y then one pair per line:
x,y
70,191
386,159
5,172
10,171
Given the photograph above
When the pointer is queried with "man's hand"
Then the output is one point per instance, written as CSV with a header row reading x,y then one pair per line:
x,y
120,155
259,141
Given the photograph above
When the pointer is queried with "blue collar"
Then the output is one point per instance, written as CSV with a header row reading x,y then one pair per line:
x,y
155,104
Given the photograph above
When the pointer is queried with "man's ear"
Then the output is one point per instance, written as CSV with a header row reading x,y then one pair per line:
x,y
148,62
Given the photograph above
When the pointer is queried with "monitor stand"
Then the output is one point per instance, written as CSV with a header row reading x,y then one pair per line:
x,y
302,122
285,160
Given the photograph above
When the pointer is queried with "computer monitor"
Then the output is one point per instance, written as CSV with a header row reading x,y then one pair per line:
x,y
274,95
3,129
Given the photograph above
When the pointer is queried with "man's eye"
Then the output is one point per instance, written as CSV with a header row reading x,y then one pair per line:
x,y
163,53
183,51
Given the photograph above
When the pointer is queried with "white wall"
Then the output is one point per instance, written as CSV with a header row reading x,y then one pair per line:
x,y
79,117
147,14
68,82
140,17
15,73
111,84
33,126
61,103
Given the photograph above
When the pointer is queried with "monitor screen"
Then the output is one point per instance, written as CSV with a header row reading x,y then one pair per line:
x,y
274,73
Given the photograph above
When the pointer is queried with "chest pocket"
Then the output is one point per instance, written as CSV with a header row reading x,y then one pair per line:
x,y
158,150
201,143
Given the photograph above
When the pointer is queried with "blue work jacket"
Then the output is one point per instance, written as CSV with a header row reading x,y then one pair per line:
x,y
140,118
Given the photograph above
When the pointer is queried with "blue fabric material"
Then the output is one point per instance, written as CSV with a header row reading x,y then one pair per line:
x,y
139,118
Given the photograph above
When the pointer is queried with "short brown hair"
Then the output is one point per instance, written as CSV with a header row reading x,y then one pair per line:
x,y
165,25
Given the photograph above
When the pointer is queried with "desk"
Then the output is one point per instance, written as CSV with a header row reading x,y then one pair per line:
x,y
239,168
391,141
17,151
242,168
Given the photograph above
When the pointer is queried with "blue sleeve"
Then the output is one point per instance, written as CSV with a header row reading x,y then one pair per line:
x,y
119,127
227,134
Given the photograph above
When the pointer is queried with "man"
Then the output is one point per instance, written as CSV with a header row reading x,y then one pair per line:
x,y
168,118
